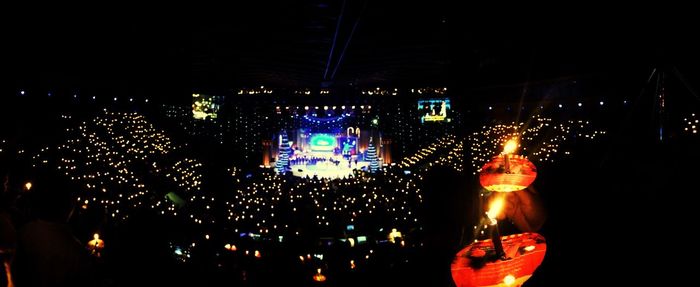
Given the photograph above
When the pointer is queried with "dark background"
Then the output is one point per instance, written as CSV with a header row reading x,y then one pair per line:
x,y
621,210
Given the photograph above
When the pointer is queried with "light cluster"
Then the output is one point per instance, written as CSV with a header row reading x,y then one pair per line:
x,y
400,121
329,110
540,139
302,92
381,92
120,161
277,204
187,175
446,151
180,253
182,117
329,117
255,91
246,126
691,124
429,91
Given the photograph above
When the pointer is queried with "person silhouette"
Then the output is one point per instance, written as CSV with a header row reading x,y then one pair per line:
x,y
7,244
8,233
47,252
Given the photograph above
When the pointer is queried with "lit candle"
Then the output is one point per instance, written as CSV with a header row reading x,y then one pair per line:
x,y
494,210
318,277
508,148
96,244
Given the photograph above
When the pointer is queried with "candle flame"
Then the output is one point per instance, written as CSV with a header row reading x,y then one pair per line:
x,y
96,236
510,146
495,208
509,280
8,274
318,277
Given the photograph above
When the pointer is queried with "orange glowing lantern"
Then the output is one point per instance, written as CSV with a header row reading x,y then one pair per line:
x,y
506,172
318,277
501,260
477,265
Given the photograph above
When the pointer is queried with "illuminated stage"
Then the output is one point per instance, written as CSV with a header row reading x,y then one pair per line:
x,y
326,155
324,152
326,142
327,169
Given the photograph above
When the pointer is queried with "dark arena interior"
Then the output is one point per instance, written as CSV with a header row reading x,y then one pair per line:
x,y
348,143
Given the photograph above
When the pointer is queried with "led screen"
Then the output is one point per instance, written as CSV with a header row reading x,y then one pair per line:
x,y
433,110
205,106
322,142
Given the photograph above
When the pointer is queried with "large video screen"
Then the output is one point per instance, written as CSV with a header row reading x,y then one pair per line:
x,y
434,110
205,106
322,142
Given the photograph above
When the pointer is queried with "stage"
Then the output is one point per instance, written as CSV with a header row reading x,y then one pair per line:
x,y
325,155
325,147
327,169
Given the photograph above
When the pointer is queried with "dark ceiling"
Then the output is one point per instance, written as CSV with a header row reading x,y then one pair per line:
x,y
323,42
289,43
277,43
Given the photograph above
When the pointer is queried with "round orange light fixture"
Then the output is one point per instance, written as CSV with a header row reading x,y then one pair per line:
x,y
519,175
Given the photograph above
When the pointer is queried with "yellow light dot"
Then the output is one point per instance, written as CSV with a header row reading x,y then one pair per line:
x,y
509,280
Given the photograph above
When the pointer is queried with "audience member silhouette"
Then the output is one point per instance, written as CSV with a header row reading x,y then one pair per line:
x,y
8,238
47,252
